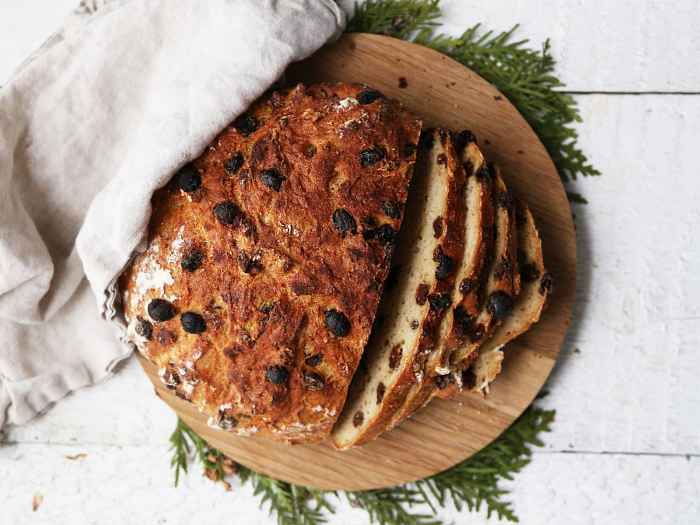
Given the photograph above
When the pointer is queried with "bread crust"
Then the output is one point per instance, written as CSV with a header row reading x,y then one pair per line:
x,y
290,234
451,243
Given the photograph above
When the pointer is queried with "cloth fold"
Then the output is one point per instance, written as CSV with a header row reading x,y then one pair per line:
x,y
99,118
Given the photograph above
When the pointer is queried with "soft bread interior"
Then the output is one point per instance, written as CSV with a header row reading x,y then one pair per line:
x,y
400,317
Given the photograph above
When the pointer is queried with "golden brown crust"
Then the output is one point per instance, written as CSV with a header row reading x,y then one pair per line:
x,y
295,221
451,244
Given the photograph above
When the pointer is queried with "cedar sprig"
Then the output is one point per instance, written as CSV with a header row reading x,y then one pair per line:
x,y
471,485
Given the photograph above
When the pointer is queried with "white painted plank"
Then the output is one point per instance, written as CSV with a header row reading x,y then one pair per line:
x,y
633,386
626,45
133,485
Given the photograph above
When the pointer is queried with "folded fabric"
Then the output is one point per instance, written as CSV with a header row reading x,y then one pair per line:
x,y
92,124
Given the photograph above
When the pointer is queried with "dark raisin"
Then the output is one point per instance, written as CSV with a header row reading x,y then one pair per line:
x,y
276,374
381,390
309,151
499,305
445,266
193,323
314,360
314,381
233,164
392,209
246,124
442,159
266,308
384,234
427,138
468,379
395,356
422,293
160,310
403,83
227,422
415,324
358,418
188,178
272,179
337,322
439,301
463,138
368,96
438,227
529,272
409,149
192,261
227,213
443,381
343,221
546,284
467,285
371,156
477,333
144,328
463,321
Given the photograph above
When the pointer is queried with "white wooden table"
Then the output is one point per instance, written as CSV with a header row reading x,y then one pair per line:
x,y
626,442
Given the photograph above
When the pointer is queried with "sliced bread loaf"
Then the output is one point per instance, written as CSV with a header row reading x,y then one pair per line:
x,y
537,285
428,252
477,227
502,287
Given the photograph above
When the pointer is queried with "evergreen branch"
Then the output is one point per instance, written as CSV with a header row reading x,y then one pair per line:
x,y
398,18
470,485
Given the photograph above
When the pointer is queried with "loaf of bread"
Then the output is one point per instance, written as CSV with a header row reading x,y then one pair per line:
x,y
267,257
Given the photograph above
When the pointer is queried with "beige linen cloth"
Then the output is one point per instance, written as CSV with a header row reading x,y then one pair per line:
x,y
90,126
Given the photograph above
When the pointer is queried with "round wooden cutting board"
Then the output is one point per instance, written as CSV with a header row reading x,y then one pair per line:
x,y
442,92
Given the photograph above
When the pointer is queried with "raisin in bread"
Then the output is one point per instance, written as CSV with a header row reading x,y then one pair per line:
x,y
477,225
430,247
267,256
536,286
502,286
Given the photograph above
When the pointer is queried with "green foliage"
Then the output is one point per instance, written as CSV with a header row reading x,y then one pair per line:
x,y
470,485
524,75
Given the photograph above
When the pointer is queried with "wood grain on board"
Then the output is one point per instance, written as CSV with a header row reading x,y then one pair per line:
x,y
444,433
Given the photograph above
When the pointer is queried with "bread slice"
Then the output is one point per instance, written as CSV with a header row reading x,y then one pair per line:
x,y
477,226
502,287
429,250
536,287
267,257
